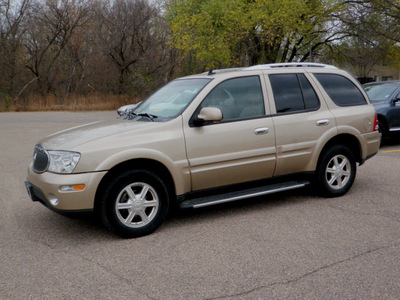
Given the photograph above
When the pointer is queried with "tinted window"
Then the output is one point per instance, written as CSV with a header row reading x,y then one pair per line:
x,y
310,97
293,92
237,98
341,90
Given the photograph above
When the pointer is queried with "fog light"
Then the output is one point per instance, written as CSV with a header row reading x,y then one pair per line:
x,y
72,188
53,200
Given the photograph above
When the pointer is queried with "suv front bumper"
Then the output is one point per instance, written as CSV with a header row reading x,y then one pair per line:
x,y
47,188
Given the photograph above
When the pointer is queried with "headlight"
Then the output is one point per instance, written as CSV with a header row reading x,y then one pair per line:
x,y
63,161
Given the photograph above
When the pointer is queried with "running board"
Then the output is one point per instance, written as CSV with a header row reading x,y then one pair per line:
x,y
242,194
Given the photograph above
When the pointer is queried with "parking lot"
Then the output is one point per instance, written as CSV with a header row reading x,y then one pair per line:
x,y
292,245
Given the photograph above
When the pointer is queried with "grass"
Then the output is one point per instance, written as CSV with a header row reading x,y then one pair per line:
x,y
93,102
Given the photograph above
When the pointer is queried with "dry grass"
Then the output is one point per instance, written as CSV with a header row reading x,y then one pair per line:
x,y
73,103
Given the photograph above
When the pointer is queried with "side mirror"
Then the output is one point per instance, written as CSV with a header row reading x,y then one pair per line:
x,y
206,115
124,110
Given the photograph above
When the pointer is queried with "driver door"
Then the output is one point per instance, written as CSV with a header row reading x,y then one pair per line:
x,y
240,147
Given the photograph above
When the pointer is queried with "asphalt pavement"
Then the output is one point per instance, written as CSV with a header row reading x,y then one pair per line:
x,y
292,245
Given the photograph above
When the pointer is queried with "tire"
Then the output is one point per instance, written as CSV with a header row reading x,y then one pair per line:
x,y
336,171
384,132
134,204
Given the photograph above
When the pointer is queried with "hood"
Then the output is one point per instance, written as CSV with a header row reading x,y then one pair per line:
x,y
378,102
73,137
379,105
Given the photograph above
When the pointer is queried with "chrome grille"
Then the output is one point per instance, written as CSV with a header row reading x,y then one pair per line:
x,y
40,159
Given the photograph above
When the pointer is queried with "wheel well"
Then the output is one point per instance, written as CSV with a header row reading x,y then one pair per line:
x,y
347,140
144,164
383,121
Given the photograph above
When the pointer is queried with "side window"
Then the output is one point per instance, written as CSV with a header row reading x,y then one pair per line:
x,y
340,89
292,93
237,98
310,97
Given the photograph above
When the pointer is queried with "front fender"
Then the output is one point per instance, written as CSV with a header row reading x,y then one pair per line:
x,y
179,169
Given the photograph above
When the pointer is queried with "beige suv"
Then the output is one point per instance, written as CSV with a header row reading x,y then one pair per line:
x,y
207,139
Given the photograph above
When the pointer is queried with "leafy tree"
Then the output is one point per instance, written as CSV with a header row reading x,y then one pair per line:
x,y
245,32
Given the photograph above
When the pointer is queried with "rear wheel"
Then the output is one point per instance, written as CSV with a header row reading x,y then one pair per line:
x,y
134,204
336,171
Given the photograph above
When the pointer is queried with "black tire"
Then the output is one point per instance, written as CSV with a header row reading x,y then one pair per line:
x,y
134,204
335,172
384,132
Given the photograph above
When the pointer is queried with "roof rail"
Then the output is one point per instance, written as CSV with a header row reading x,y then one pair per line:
x,y
212,72
291,65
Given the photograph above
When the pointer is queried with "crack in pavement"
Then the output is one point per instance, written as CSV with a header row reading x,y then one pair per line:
x,y
359,212
56,248
307,274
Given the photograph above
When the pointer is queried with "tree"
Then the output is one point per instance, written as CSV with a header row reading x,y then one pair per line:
x,y
130,35
246,32
11,47
51,26
372,35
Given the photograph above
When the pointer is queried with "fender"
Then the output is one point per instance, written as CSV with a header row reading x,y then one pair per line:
x,y
322,141
178,169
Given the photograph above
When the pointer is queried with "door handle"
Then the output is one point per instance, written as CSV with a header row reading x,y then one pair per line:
x,y
262,130
322,122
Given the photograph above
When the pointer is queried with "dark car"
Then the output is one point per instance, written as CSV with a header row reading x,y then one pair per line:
x,y
385,96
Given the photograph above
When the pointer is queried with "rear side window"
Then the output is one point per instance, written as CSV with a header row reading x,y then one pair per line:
x,y
340,89
293,93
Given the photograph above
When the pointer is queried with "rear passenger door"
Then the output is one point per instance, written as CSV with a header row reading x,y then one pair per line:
x,y
300,119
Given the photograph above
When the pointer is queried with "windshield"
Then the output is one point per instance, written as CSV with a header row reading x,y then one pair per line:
x,y
380,92
170,100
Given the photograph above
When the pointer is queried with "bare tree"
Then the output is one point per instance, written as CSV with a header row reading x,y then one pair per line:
x,y
11,19
373,31
127,33
51,26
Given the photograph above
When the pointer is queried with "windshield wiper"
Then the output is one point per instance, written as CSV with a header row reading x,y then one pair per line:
x,y
147,115
131,115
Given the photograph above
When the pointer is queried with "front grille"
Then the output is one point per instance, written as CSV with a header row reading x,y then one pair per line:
x,y
40,159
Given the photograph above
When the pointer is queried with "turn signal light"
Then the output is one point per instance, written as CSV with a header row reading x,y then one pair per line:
x,y
72,188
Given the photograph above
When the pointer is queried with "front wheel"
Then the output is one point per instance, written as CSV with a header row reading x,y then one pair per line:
x,y
335,172
383,131
134,204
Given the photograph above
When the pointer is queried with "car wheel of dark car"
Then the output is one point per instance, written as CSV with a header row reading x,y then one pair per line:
x,y
134,204
336,171
383,131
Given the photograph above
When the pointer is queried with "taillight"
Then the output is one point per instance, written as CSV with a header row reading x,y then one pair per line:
x,y
376,124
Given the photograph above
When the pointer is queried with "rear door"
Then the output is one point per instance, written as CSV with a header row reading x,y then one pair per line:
x,y
241,147
300,120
